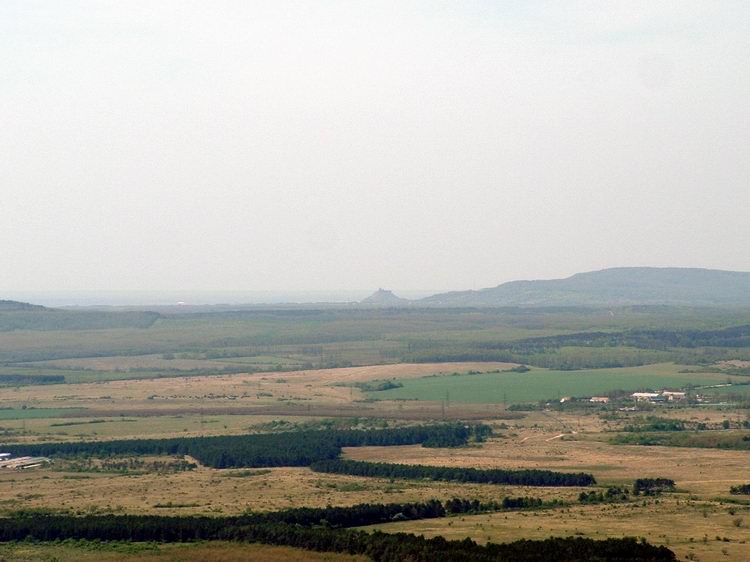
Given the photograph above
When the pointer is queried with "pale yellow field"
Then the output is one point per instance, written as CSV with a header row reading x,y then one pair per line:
x,y
210,491
227,390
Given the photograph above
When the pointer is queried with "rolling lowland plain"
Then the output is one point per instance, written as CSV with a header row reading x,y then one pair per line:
x,y
72,376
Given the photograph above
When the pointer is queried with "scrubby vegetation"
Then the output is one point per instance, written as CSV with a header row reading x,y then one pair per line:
x,y
612,494
737,440
375,386
126,466
654,423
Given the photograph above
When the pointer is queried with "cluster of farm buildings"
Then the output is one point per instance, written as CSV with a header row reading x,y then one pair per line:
x,y
652,397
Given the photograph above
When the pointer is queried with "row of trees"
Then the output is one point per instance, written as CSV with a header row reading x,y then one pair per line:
x,y
136,527
605,349
523,477
313,532
458,505
373,513
612,494
353,516
653,486
735,336
14,379
299,448
397,547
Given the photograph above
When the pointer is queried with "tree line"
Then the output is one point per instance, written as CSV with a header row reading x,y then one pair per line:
x,y
135,527
18,380
653,486
740,490
297,448
622,349
611,495
311,529
522,477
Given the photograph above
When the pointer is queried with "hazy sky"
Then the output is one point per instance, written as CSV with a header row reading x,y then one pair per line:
x,y
331,145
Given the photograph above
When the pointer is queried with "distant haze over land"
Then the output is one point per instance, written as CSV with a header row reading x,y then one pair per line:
x,y
188,297
608,287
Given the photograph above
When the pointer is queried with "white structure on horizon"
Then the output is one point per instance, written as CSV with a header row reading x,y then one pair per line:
x,y
649,396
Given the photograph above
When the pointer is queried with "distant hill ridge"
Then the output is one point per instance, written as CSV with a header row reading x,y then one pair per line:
x,y
15,315
12,306
609,287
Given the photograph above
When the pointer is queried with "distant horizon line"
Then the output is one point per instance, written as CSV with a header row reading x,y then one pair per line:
x,y
172,297
216,297
355,290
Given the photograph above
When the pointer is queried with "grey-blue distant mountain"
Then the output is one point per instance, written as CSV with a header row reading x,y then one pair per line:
x,y
16,306
613,287
384,297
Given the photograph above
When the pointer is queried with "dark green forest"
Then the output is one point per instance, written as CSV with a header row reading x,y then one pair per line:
x,y
523,477
325,530
297,448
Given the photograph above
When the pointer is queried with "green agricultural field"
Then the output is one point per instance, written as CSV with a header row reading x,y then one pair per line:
x,y
739,390
542,384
